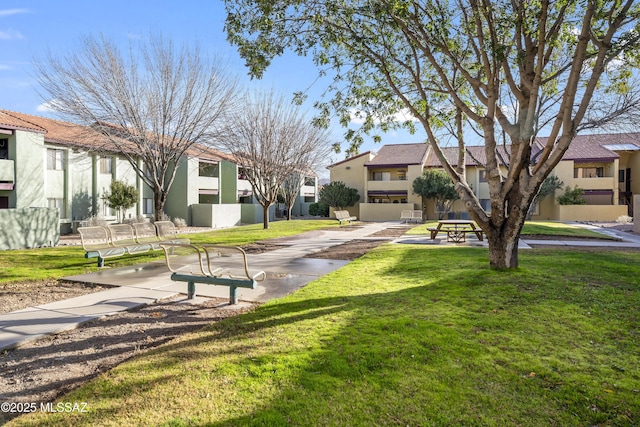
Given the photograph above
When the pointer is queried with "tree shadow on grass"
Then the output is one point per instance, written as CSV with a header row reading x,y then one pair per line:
x,y
416,343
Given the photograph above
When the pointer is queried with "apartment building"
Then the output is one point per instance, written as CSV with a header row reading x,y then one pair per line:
x,y
62,170
602,165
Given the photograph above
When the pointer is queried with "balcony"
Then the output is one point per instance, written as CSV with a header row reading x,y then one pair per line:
x,y
393,185
604,183
207,183
7,171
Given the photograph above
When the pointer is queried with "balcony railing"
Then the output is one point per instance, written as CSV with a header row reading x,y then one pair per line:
x,y
7,171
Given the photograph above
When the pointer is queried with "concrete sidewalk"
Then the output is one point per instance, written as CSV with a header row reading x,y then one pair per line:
x,y
286,269
137,285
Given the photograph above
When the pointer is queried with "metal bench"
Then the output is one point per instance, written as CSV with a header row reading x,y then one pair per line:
x,y
210,265
342,216
96,243
155,234
119,239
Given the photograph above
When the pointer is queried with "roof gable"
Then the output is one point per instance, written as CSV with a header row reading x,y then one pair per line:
x,y
393,155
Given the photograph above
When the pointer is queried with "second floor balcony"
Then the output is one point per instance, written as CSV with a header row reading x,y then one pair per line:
x,y
7,170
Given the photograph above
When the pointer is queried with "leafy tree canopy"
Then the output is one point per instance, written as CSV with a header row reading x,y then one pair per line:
x,y
501,70
437,185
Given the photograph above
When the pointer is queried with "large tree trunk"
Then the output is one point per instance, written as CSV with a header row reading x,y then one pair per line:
x,y
503,247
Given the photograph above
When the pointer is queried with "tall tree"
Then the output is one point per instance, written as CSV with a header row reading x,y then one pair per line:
x,y
436,184
153,105
270,140
504,67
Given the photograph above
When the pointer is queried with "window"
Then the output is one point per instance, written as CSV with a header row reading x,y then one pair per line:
x,y
4,149
58,204
309,199
208,169
588,172
4,202
55,159
147,206
242,174
482,175
106,165
309,181
382,176
621,175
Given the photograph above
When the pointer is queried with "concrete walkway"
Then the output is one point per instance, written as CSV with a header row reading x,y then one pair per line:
x,y
137,285
286,269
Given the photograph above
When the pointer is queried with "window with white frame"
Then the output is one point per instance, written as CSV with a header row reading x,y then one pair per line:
x,y
59,204
55,159
106,165
147,206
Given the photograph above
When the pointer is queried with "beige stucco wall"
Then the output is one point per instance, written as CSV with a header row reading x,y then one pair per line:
x,y
353,173
589,212
383,211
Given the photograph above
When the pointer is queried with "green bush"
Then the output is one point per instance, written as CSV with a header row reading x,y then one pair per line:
x,y
572,197
319,209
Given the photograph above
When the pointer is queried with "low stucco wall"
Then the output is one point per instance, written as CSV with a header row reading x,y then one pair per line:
x,y
590,212
383,211
29,228
215,216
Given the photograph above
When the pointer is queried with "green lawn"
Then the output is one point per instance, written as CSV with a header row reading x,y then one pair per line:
x,y
406,335
61,261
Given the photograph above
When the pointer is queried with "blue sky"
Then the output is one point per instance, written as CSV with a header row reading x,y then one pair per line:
x,y
29,28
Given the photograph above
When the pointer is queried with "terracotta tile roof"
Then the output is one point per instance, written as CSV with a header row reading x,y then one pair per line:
x,y
400,155
10,120
70,134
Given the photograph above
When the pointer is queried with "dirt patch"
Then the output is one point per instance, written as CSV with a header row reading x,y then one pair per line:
x,y
42,370
16,296
260,247
347,251
356,248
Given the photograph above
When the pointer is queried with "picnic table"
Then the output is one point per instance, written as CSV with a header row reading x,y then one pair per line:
x,y
456,229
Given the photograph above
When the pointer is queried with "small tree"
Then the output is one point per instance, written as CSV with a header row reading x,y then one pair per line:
x,y
572,197
337,195
121,196
436,184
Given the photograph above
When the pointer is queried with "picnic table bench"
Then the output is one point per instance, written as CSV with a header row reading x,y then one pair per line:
x,y
115,240
344,216
456,230
209,264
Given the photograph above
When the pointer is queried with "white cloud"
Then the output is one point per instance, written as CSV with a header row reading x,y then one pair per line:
x,y
4,67
10,34
9,12
45,107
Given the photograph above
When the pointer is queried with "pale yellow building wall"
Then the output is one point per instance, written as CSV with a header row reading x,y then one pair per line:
x,y
605,213
353,173
383,211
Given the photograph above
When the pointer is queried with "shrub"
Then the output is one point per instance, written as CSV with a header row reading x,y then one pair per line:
x,y
179,222
319,209
572,197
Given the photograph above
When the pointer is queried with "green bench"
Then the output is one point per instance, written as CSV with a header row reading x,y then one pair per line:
x,y
210,265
